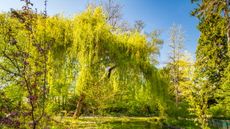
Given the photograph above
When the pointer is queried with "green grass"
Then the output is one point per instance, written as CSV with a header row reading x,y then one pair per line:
x,y
109,122
122,123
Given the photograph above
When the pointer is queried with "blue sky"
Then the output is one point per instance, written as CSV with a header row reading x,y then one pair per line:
x,y
157,14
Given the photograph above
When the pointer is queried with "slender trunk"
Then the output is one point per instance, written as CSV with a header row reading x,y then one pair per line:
x,y
31,103
77,112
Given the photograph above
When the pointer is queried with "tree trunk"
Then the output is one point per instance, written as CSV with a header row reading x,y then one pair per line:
x,y
77,112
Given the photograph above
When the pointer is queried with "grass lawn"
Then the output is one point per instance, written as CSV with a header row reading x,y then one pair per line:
x,y
109,123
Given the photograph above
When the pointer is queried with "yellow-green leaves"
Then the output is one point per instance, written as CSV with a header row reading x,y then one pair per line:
x,y
83,56
97,49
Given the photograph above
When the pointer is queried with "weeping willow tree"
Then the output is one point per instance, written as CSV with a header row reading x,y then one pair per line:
x,y
108,61
43,58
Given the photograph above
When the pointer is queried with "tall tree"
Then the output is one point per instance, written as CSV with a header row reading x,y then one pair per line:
x,y
95,47
212,56
176,53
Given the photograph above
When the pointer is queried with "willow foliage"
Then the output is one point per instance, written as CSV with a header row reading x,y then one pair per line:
x,y
47,60
97,48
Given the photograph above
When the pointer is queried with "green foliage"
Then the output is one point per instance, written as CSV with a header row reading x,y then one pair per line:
x,y
88,65
97,49
212,60
48,63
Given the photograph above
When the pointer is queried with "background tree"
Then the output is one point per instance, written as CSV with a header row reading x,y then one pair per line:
x,y
139,25
176,53
113,13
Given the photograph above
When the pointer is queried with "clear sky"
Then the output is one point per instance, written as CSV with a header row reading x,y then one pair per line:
x,y
157,14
